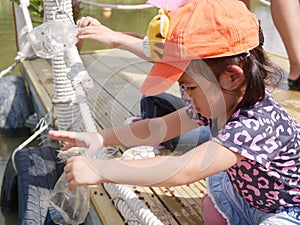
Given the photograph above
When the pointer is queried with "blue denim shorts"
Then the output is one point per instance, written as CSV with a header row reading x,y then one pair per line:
x,y
163,104
238,212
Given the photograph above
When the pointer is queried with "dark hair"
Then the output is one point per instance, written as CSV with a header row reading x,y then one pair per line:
x,y
258,69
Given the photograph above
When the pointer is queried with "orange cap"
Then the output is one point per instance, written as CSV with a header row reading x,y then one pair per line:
x,y
202,29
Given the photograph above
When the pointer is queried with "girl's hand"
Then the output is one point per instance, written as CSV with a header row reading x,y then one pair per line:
x,y
91,140
79,172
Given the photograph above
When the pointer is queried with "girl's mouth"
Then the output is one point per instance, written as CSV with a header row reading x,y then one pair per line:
x,y
198,109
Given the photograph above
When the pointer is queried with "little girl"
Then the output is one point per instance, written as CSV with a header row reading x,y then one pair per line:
x,y
214,51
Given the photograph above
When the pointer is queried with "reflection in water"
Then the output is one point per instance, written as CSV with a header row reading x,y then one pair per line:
x,y
7,36
6,147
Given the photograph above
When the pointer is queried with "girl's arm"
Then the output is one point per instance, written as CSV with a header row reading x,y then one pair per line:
x,y
205,160
144,132
149,131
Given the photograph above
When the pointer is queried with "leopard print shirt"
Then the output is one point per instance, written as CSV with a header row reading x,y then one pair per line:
x,y
268,178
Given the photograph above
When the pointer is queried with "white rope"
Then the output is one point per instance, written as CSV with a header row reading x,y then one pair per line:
x,y
20,56
24,7
265,2
40,128
131,205
115,6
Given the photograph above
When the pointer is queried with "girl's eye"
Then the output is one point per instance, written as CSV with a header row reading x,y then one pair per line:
x,y
190,88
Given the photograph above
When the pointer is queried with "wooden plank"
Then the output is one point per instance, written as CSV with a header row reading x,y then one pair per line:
x,y
279,60
199,187
106,110
154,204
176,205
121,67
104,207
189,199
289,100
124,92
39,74
43,72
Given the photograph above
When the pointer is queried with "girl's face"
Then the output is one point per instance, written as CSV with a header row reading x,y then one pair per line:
x,y
208,97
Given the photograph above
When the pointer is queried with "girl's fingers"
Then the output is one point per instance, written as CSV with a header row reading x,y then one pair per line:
x,y
69,174
72,139
62,135
67,146
69,163
72,185
69,177
66,136
67,167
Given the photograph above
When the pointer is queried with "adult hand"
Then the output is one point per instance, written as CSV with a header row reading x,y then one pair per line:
x,y
91,140
91,29
79,171
87,21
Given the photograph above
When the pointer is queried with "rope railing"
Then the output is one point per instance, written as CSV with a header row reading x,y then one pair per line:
x,y
70,99
265,2
117,6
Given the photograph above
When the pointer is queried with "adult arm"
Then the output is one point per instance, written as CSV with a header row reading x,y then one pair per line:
x,y
91,29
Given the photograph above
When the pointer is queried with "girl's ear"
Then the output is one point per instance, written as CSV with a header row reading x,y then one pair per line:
x,y
232,78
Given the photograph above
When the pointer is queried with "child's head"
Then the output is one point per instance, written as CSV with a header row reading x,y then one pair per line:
x,y
225,35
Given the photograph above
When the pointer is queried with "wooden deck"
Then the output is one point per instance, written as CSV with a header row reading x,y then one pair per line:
x,y
117,77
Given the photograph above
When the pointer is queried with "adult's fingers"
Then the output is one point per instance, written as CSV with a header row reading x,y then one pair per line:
x,y
87,21
87,30
82,22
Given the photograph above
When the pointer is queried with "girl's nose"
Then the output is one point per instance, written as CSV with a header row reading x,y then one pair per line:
x,y
187,95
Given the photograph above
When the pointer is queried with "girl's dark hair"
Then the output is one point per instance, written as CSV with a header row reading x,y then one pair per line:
x,y
258,69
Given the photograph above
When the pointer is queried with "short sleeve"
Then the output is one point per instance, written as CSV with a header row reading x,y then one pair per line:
x,y
251,134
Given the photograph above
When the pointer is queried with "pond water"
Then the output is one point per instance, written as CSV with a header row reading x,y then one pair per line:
x,y
135,21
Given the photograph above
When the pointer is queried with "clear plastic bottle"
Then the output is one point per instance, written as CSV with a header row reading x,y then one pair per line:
x,y
53,37
69,207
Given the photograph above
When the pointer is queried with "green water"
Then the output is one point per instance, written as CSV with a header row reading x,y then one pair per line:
x,y
7,35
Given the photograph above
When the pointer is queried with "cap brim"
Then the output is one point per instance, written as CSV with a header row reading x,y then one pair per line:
x,y
162,76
